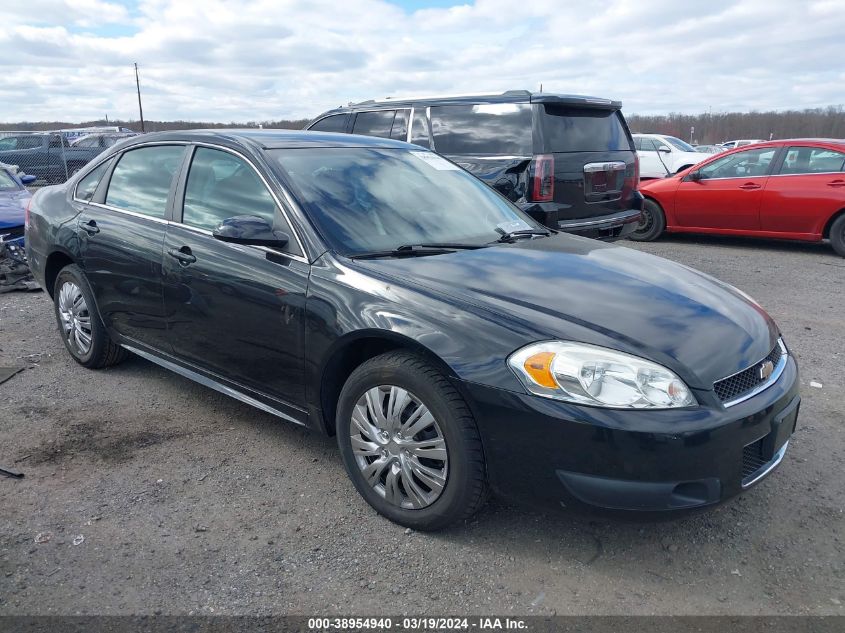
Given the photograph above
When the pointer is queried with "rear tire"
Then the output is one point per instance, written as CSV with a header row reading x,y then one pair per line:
x,y
652,223
409,442
837,235
82,331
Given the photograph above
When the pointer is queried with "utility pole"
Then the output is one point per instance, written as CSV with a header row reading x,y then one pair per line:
x,y
138,86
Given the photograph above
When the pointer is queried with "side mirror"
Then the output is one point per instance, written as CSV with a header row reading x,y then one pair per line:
x,y
664,148
249,230
28,179
695,176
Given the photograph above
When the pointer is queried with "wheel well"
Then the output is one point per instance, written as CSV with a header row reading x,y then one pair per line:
x,y
344,361
833,218
55,262
654,200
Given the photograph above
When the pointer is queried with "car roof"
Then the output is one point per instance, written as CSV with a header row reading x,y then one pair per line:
x,y
509,96
272,138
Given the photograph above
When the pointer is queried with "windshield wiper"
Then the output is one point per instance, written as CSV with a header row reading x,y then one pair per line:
x,y
512,236
418,250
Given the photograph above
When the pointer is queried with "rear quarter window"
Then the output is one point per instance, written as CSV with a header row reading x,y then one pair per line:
x,y
498,129
333,123
570,129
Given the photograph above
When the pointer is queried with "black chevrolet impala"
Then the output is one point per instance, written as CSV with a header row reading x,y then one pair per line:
x,y
373,290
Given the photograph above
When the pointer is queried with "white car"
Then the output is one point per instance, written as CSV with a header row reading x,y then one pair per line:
x,y
662,155
740,143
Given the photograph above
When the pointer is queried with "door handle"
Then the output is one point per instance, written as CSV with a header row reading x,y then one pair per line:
x,y
183,254
750,186
836,183
90,227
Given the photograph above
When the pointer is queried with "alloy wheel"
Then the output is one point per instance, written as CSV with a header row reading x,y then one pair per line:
x,y
75,318
399,447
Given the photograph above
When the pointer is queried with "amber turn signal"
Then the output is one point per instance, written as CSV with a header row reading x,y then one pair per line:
x,y
539,367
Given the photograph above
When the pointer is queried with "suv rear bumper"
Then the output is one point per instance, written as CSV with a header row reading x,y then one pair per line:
x,y
608,228
612,226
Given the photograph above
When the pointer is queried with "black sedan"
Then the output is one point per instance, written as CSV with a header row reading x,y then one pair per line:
x,y
373,290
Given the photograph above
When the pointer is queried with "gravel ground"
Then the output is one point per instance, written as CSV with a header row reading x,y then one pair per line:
x,y
191,502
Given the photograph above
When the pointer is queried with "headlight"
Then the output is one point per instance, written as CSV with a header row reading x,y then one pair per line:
x,y
597,376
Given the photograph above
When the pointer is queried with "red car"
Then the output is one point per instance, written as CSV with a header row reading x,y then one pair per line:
x,y
790,189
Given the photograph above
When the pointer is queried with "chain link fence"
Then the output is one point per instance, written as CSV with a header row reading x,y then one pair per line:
x,y
53,157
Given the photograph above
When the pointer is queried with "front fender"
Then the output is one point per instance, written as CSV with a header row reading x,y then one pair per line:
x,y
344,305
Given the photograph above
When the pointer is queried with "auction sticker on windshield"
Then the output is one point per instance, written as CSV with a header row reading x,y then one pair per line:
x,y
438,162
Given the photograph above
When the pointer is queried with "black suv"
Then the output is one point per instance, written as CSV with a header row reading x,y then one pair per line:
x,y
568,161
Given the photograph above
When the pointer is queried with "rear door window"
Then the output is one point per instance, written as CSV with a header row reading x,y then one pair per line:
x,y
502,129
378,123
141,180
574,129
812,160
333,123
644,144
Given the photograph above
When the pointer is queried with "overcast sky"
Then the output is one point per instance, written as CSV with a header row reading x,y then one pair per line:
x,y
244,60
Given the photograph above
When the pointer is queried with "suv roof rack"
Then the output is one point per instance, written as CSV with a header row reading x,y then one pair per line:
x,y
506,93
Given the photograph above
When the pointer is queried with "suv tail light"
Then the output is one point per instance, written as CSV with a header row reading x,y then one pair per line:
x,y
543,180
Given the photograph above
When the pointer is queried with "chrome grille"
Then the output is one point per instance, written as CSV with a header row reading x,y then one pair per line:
x,y
742,383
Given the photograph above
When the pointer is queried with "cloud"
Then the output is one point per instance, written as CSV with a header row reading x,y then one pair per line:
x,y
238,60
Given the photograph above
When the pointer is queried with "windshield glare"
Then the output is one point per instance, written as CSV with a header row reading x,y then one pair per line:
x,y
684,147
374,199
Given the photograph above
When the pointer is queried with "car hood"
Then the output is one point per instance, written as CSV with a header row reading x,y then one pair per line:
x,y
694,157
572,288
12,207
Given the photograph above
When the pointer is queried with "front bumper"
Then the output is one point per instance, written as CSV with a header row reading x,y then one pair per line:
x,y
546,451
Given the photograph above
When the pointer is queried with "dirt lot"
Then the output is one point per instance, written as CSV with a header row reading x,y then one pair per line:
x,y
190,502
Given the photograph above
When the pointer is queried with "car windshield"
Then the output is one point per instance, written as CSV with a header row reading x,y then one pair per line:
x,y
7,183
684,147
364,200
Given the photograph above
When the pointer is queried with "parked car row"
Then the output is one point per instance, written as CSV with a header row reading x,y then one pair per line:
x,y
446,332
50,156
709,149
47,156
739,143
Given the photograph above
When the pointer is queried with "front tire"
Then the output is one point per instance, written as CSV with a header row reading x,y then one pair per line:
x,y
409,442
82,331
837,235
652,223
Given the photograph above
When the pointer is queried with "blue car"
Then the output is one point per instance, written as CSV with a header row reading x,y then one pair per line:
x,y
14,198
